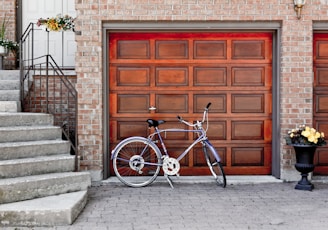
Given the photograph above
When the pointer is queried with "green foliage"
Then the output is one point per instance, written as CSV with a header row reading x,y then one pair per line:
x,y
8,44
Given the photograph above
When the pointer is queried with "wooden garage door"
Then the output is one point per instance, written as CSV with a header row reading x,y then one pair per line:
x,y
178,74
320,97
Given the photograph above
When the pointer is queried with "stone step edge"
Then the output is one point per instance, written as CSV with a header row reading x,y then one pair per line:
x,y
31,149
10,106
25,119
47,211
37,186
38,159
37,166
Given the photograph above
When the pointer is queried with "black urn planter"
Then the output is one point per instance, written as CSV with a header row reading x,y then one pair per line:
x,y
304,164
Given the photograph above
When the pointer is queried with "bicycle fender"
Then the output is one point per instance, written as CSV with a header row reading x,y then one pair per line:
x,y
126,139
212,149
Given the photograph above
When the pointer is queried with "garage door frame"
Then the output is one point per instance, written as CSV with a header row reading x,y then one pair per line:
x,y
275,27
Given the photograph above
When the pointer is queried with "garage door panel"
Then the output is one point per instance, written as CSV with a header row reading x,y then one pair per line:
x,y
219,102
127,129
248,49
248,76
210,50
322,49
132,76
246,103
172,103
217,130
209,76
171,76
251,156
171,49
322,103
322,76
247,130
129,49
321,157
132,103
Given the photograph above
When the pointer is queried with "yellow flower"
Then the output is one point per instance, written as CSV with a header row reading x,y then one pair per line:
x,y
306,133
53,25
322,134
311,138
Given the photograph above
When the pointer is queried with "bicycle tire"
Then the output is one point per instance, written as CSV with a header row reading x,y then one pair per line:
x,y
132,168
216,167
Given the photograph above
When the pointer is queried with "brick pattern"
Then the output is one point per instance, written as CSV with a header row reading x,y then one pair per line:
x,y
295,63
8,8
59,101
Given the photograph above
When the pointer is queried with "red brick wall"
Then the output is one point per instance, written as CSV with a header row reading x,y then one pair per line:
x,y
36,100
8,8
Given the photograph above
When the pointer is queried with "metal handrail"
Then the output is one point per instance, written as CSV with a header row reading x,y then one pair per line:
x,y
46,89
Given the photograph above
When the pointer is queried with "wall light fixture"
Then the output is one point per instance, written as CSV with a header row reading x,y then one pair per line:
x,y
298,4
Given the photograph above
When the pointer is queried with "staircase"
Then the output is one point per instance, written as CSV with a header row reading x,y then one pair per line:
x,y
38,185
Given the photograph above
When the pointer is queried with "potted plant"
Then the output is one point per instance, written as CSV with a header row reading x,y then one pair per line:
x,y
305,141
58,23
6,45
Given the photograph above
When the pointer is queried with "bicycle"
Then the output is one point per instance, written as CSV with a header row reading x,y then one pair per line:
x,y
136,156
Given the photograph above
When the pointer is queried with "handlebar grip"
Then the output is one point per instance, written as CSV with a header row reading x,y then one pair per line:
x,y
208,105
179,118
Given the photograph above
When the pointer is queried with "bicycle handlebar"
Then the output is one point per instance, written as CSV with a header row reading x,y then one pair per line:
x,y
204,115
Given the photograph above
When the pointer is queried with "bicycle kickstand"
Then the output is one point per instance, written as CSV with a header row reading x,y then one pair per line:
x,y
169,180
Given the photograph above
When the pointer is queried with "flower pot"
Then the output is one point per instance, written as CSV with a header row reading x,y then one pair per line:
x,y
304,164
3,50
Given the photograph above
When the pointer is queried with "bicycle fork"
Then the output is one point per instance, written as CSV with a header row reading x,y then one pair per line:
x,y
207,145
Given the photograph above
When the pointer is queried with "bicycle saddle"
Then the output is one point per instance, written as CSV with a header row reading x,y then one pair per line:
x,y
154,123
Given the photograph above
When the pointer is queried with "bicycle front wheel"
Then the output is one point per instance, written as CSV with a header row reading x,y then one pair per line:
x,y
215,167
136,161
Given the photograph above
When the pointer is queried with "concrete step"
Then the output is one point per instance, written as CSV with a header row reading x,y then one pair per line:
x,y
25,119
17,150
31,187
9,84
29,133
10,106
48,211
9,95
9,75
37,166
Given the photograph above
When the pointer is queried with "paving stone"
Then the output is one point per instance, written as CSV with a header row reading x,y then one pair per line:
x,y
203,206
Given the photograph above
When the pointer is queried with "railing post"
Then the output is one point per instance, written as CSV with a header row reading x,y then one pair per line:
x,y
32,52
21,73
77,157
47,82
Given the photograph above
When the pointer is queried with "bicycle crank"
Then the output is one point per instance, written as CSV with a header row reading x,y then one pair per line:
x,y
171,166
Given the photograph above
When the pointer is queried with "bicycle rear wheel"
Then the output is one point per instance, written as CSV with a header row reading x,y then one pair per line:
x,y
215,167
136,161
